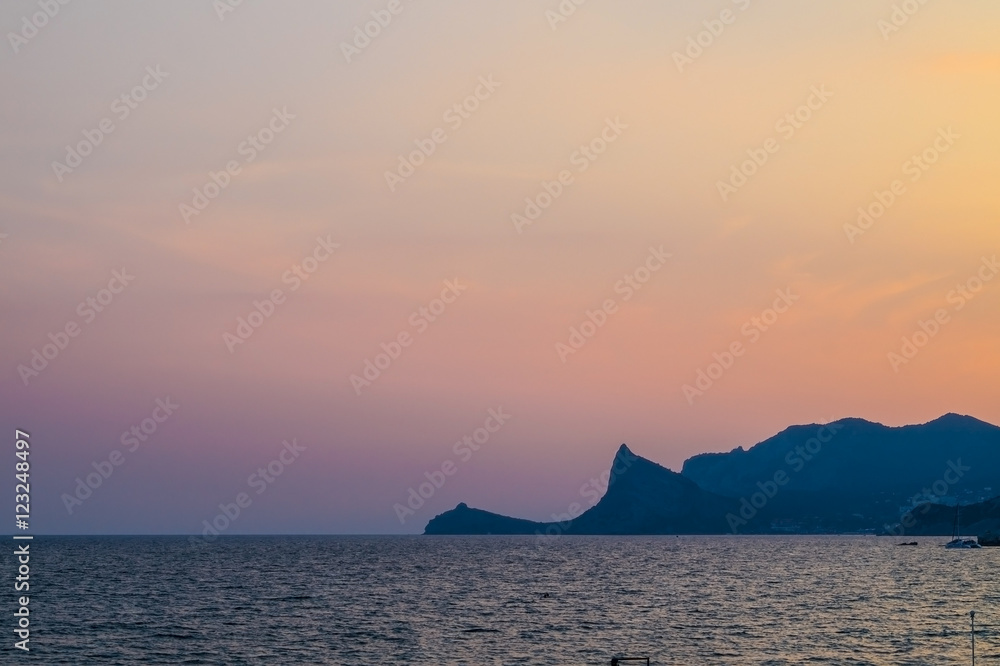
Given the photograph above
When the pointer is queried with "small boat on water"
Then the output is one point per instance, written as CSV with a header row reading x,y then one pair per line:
x,y
963,543
956,539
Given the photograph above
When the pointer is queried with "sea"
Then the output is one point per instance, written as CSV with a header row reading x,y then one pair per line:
x,y
357,600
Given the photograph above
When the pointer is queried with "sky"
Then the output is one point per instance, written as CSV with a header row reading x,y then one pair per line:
x,y
477,247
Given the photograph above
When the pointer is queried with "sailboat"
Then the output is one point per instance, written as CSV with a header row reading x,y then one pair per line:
x,y
956,538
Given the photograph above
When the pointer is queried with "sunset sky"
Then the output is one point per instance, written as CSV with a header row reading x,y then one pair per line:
x,y
641,126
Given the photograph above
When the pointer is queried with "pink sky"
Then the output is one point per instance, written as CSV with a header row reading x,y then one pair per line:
x,y
641,138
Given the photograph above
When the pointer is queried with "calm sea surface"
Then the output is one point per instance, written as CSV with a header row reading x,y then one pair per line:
x,y
508,600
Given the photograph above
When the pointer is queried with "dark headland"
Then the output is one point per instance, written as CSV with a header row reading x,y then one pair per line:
x,y
848,476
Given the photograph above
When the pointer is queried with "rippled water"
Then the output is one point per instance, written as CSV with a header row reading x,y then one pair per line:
x,y
510,600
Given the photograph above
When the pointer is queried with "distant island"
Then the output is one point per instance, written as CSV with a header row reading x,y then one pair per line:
x,y
848,476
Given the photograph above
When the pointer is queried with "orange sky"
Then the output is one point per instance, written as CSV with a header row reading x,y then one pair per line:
x,y
641,138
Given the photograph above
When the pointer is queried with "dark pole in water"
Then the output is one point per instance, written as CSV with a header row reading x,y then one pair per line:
x,y
972,614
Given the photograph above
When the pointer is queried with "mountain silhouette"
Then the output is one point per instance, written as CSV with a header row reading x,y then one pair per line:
x,y
642,498
850,475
